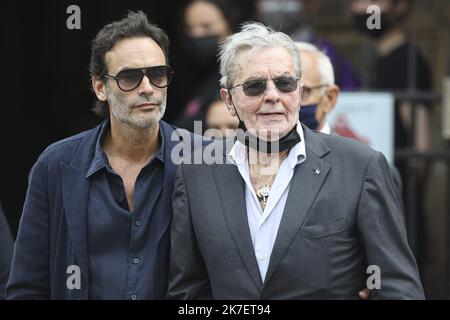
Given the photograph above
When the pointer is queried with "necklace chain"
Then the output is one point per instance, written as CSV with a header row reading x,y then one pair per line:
x,y
264,192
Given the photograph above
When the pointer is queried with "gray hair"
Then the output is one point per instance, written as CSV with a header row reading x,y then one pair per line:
x,y
253,36
325,66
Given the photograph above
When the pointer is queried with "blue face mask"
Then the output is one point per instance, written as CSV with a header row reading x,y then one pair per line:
x,y
308,116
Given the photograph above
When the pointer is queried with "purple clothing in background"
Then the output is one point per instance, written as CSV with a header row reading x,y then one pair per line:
x,y
345,77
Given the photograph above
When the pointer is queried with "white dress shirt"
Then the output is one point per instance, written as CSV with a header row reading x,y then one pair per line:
x,y
264,224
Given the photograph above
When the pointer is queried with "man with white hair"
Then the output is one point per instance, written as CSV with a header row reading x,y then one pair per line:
x,y
320,92
305,217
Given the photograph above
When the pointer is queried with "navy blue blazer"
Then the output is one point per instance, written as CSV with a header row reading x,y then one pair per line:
x,y
53,229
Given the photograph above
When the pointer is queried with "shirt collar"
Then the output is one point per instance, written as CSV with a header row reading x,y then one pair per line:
x,y
326,128
100,161
297,154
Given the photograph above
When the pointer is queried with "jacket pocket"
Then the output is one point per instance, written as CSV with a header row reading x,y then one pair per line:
x,y
325,229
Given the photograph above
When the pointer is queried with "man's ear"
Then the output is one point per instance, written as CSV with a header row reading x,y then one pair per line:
x,y
300,91
331,96
225,94
99,87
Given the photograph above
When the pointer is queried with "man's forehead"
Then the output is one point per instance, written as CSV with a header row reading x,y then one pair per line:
x,y
135,52
252,63
310,67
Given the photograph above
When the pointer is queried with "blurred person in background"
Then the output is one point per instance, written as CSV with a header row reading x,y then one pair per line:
x,y
206,23
293,17
400,66
319,95
219,117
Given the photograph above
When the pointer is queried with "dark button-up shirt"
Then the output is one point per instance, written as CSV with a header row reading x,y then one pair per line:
x,y
121,254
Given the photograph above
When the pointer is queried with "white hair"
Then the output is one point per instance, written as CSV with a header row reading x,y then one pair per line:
x,y
325,66
253,36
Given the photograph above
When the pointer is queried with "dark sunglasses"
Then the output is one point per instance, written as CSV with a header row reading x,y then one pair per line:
x,y
253,88
130,79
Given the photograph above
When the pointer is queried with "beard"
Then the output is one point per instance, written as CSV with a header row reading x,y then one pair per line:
x,y
122,107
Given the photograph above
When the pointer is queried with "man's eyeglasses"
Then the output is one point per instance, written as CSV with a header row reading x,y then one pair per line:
x,y
306,93
129,79
253,88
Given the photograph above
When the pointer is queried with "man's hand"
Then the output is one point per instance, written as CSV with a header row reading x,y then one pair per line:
x,y
364,294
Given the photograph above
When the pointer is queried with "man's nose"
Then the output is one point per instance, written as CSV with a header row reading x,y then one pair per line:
x,y
145,87
272,94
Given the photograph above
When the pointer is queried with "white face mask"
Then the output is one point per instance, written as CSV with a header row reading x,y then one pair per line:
x,y
283,15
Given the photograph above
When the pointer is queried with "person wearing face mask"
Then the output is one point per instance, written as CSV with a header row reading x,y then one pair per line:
x,y
283,212
206,23
319,93
398,65
293,18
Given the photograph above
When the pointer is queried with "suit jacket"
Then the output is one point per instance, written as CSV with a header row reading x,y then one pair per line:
x,y
335,224
53,229
398,183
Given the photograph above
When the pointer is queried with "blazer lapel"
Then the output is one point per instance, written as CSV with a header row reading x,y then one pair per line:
x,y
305,185
170,169
75,188
229,182
171,139
75,193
